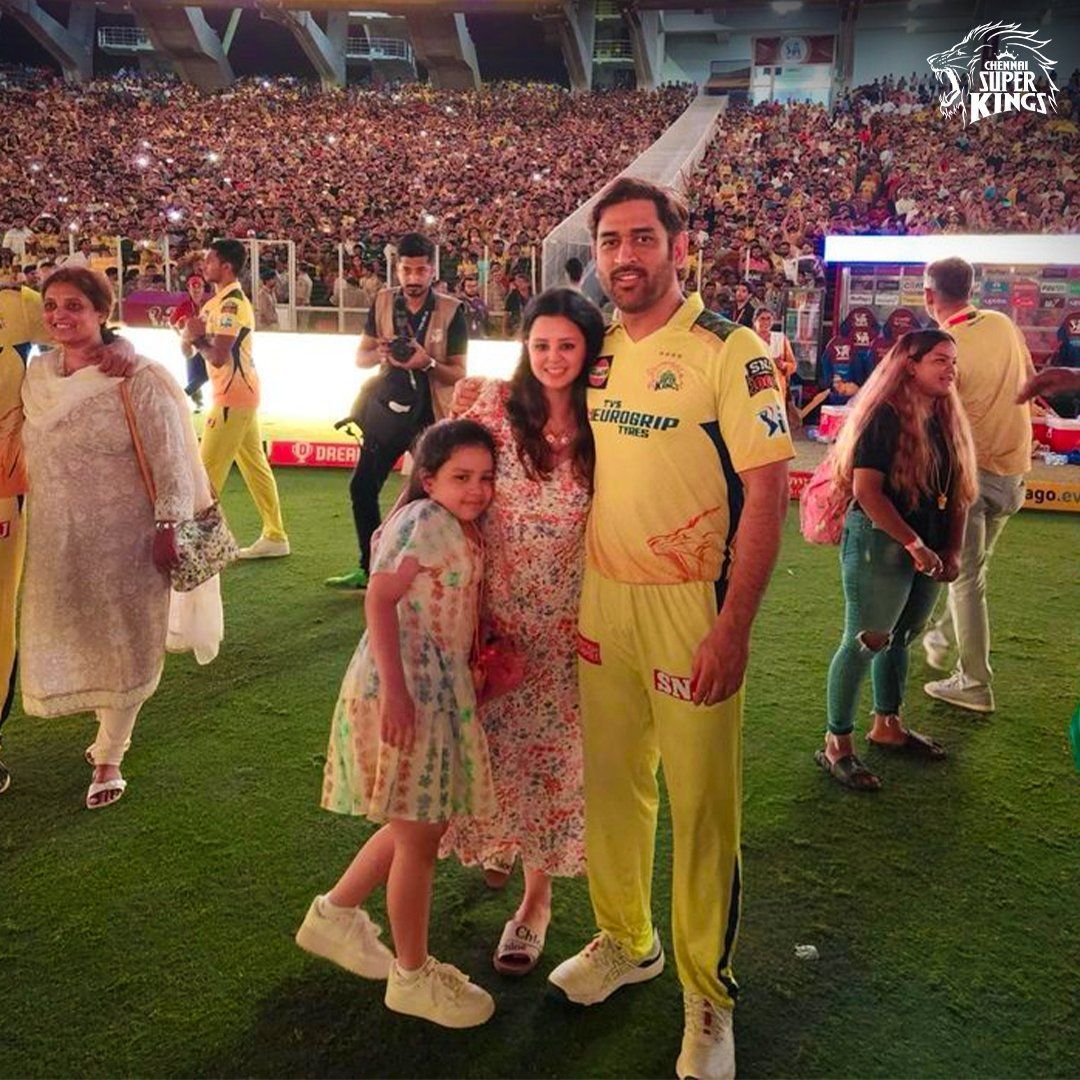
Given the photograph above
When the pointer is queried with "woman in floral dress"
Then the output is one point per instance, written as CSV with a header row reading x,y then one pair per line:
x,y
534,542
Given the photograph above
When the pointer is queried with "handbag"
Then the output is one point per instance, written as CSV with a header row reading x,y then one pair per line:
x,y
822,506
496,662
204,544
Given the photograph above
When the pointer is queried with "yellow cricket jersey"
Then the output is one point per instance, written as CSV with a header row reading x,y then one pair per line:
x,y
992,363
20,326
676,417
229,311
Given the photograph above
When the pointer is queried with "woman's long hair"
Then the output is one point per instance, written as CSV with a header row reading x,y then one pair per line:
x,y
435,446
527,405
912,475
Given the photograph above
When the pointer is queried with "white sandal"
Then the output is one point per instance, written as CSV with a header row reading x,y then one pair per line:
x,y
518,950
117,783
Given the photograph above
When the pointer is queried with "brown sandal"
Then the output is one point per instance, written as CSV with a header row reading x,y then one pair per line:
x,y
849,772
914,745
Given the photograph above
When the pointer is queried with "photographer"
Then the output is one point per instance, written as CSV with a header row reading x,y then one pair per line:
x,y
417,338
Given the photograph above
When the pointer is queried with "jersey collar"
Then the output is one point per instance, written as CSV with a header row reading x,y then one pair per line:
x,y
683,318
963,316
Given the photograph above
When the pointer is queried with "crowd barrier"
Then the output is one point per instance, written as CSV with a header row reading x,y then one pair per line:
x,y
309,381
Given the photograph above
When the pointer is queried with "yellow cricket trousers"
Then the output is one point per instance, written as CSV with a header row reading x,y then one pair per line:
x,y
635,647
12,553
232,435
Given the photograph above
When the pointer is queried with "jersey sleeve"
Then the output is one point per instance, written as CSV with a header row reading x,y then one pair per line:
x,y
418,530
228,317
35,321
753,421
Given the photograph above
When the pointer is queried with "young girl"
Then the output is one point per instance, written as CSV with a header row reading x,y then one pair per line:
x,y
906,459
405,746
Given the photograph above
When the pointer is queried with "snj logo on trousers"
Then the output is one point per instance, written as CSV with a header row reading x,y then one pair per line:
x,y
997,68
589,651
676,686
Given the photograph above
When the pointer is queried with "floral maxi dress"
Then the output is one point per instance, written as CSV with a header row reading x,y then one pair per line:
x,y
534,535
447,771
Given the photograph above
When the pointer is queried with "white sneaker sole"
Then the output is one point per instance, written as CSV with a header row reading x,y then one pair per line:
x,y
969,705
244,553
457,1022
642,973
311,941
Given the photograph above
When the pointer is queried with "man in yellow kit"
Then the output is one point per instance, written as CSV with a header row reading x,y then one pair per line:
x,y
690,495
222,332
21,327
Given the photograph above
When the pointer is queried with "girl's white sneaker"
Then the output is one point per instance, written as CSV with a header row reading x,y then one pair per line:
x,y
439,993
345,936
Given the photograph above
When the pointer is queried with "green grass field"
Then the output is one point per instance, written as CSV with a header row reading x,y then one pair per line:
x,y
155,938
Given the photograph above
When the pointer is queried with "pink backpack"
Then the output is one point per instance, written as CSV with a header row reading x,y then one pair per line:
x,y
822,507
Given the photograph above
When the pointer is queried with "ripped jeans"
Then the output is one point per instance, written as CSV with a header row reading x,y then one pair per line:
x,y
883,594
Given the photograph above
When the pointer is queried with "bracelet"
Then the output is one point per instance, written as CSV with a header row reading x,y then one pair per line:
x,y
164,526
432,364
916,543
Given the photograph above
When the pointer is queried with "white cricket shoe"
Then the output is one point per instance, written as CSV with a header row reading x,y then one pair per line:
x,y
596,972
439,993
345,936
956,690
708,1042
265,549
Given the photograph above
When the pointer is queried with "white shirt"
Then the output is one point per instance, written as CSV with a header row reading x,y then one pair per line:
x,y
15,240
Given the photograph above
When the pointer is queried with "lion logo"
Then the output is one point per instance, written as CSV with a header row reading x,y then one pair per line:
x,y
995,60
695,550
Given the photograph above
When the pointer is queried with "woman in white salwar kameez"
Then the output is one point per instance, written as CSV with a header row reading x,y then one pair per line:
x,y
95,606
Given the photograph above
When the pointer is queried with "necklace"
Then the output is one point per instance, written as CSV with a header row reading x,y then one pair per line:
x,y
943,489
559,441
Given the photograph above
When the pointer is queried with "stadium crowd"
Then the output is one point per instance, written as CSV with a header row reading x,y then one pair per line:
x,y
777,179
491,172
140,156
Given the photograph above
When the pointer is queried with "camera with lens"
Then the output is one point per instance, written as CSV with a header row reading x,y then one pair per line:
x,y
401,348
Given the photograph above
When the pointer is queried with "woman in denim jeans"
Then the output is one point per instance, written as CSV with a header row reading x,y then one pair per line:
x,y
906,460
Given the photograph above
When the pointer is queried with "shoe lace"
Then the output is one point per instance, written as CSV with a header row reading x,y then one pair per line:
x,y
451,978
606,953
368,926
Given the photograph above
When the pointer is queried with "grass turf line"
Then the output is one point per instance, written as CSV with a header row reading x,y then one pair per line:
x,y
155,938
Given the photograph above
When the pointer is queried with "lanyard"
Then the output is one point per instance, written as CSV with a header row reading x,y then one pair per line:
x,y
401,318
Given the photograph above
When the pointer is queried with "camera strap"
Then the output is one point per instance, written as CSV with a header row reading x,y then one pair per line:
x,y
402,325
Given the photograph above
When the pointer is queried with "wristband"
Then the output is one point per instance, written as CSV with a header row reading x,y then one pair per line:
x,y
432,364
916,543
164,526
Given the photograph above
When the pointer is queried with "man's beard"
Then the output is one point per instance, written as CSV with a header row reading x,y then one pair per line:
x,y
644,292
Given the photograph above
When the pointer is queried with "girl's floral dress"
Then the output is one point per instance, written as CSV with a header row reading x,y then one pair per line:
x,y
447,772
534,534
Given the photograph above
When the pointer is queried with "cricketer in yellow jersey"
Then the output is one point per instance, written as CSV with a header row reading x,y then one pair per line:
x,y
21,327
222,332
689,498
